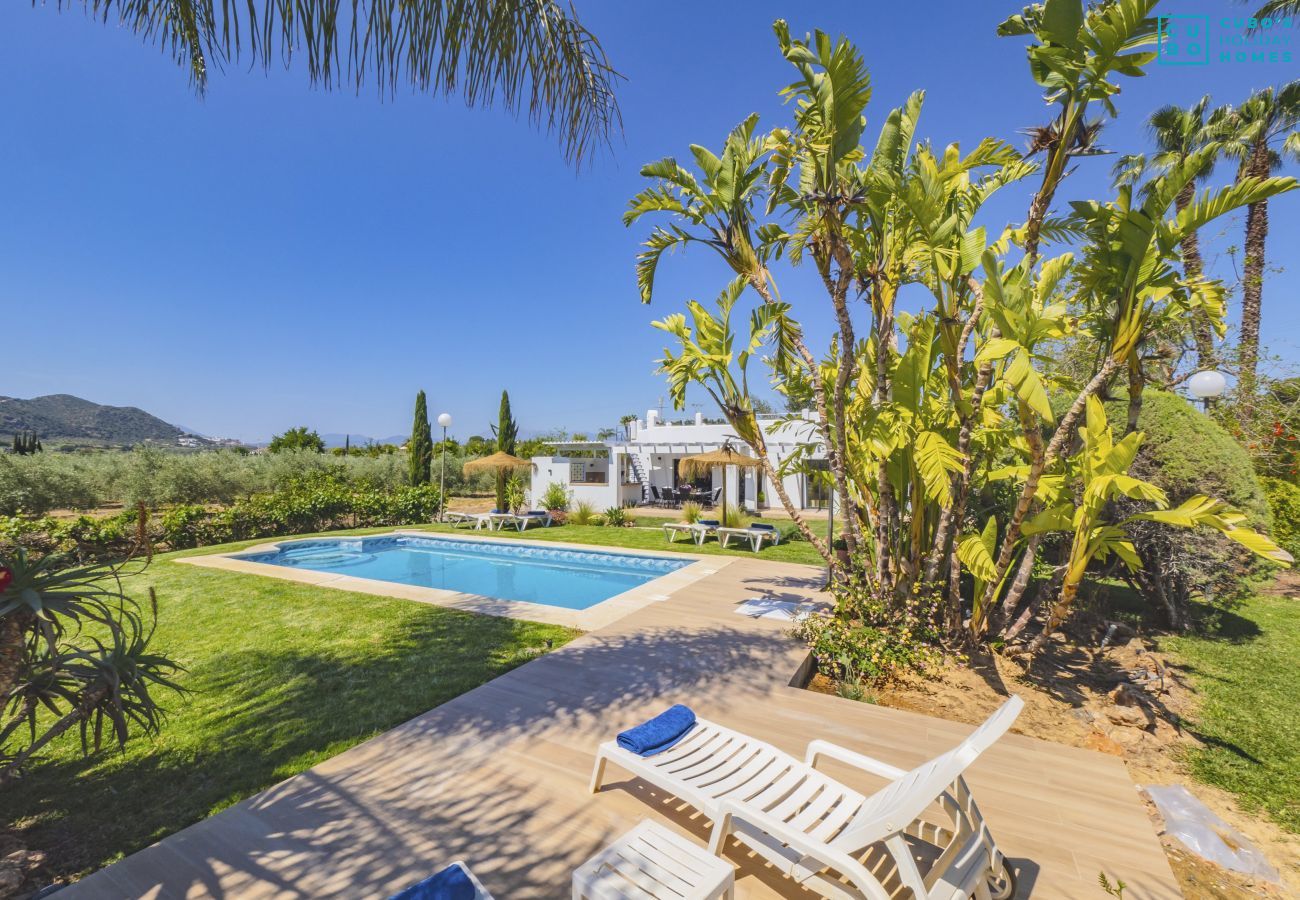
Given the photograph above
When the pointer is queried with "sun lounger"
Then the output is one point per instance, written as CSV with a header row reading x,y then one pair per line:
x,y
816,830
697,531
755,534
672,529
478,520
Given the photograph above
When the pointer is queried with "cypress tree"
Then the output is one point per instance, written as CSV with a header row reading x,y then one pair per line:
x,y
420,449
507,432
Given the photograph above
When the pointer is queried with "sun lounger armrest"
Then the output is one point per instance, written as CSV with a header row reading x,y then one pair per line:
x,y
735,817
819,748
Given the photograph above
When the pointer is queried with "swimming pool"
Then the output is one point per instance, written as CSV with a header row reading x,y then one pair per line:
x,y
552,576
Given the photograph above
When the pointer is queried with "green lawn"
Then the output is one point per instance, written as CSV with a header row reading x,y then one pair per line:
x,y
1250,718
282,675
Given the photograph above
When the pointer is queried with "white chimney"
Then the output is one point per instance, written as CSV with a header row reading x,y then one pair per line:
x,y
699,418
651,415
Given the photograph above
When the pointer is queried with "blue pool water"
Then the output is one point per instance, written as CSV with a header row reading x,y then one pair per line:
x,y
572,579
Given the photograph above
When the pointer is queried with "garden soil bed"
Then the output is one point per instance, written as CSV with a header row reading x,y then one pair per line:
x,y
1126,699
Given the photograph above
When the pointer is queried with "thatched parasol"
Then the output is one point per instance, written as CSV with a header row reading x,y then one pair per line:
x,y
497,462
704,462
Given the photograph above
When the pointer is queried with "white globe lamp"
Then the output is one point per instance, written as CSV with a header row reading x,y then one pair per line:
x,y
1206,385
444,419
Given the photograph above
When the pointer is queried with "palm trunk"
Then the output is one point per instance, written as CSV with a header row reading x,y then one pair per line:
x,y
1193,266
950,517
1252,288
1252,299
1029,426
822,547
1136,382
834,460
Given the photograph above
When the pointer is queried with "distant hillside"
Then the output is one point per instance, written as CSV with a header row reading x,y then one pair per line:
x,y
62,417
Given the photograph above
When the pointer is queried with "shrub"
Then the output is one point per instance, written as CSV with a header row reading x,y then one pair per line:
x,y
317,502
691,512
1184,453
732,518
868,641
515,496
1284,504
616,517
583,513
555,497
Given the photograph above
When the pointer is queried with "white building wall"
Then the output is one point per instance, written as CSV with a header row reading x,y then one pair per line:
x,y
656,444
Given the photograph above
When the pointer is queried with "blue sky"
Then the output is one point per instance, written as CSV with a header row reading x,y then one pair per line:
x,y
273,255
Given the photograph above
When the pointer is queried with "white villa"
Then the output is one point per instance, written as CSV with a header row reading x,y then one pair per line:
x,y
638,469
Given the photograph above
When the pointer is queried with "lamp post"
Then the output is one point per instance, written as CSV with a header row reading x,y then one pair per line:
x,y
444,419
1206,385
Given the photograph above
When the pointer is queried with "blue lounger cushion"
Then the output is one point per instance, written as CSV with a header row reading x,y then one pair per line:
x,y
658,734
710,523
761,526
452,883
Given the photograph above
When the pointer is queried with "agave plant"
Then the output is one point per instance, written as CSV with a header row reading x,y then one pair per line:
x,y
75,647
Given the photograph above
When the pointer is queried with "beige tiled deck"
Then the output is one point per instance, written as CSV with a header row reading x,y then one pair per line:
x,y
498,776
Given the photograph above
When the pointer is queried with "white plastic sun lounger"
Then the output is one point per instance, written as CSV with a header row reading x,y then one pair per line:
x,y
458,518
755,536
816,830
672,529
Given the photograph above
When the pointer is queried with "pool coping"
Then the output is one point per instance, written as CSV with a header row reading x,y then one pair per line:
x,y
593,617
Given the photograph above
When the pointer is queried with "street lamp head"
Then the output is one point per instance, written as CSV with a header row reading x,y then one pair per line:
x,y
444,419
1207,384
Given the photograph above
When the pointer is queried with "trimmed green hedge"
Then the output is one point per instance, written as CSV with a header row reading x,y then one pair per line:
x,y
1284,503
1185,452
319,502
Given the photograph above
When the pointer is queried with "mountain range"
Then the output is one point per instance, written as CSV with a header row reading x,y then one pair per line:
x,y
64,418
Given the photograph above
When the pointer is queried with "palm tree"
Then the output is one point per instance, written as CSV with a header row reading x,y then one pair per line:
x,y
1179,133
525,54
1278,9
1258,134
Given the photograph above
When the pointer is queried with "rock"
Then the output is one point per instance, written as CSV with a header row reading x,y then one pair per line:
x,y
1084,714
1130,716
1129,738
1103,743
10,880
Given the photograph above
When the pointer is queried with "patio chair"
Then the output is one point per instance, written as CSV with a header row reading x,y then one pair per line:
x,y
655,499
755,533
816,830
714,496
456,882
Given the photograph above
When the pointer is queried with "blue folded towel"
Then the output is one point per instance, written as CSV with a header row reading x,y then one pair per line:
x,y
452,883
762,526
660,733
497,512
